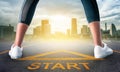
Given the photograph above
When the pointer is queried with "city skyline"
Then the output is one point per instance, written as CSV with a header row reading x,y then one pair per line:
x,y
105,26
55,28
44,31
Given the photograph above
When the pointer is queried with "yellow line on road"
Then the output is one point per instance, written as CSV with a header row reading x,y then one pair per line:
x,y
78,54
37,57
60,59
6,51
3,52
116,51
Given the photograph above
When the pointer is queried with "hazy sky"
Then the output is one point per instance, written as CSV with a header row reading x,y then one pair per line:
x,y
10,9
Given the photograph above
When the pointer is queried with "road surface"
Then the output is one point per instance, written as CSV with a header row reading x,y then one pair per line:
x,y
59,56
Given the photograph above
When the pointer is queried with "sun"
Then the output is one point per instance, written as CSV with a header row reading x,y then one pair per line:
x,y
60,23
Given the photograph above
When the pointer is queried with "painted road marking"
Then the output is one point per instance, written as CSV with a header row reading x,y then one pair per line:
x,y
116,51
53,66
37,57
3,52
6,51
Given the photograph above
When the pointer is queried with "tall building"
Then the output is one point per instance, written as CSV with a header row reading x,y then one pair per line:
x,y
113,31
46,29
43,30
118,32
37,31
6,32
106,32
45,22
105,26
74,27
85,31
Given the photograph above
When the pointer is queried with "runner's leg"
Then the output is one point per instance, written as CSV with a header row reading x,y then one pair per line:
x,y
26,16
92,14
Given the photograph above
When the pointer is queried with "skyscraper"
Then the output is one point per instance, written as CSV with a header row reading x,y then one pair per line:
x,y
43,30
113,31
45,22
105,26
37,31
74,27
45,27
85,31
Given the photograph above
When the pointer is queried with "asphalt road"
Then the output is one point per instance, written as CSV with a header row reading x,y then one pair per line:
x,y
59,56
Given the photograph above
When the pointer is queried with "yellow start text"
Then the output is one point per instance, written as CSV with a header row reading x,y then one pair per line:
x,y
53,66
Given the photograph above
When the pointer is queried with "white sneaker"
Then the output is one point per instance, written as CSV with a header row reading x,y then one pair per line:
x,y
101,52
15,52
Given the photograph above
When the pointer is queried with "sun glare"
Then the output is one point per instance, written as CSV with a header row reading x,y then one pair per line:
x,y
60,23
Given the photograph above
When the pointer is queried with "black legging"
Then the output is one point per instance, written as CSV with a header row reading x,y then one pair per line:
x,y
28,9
